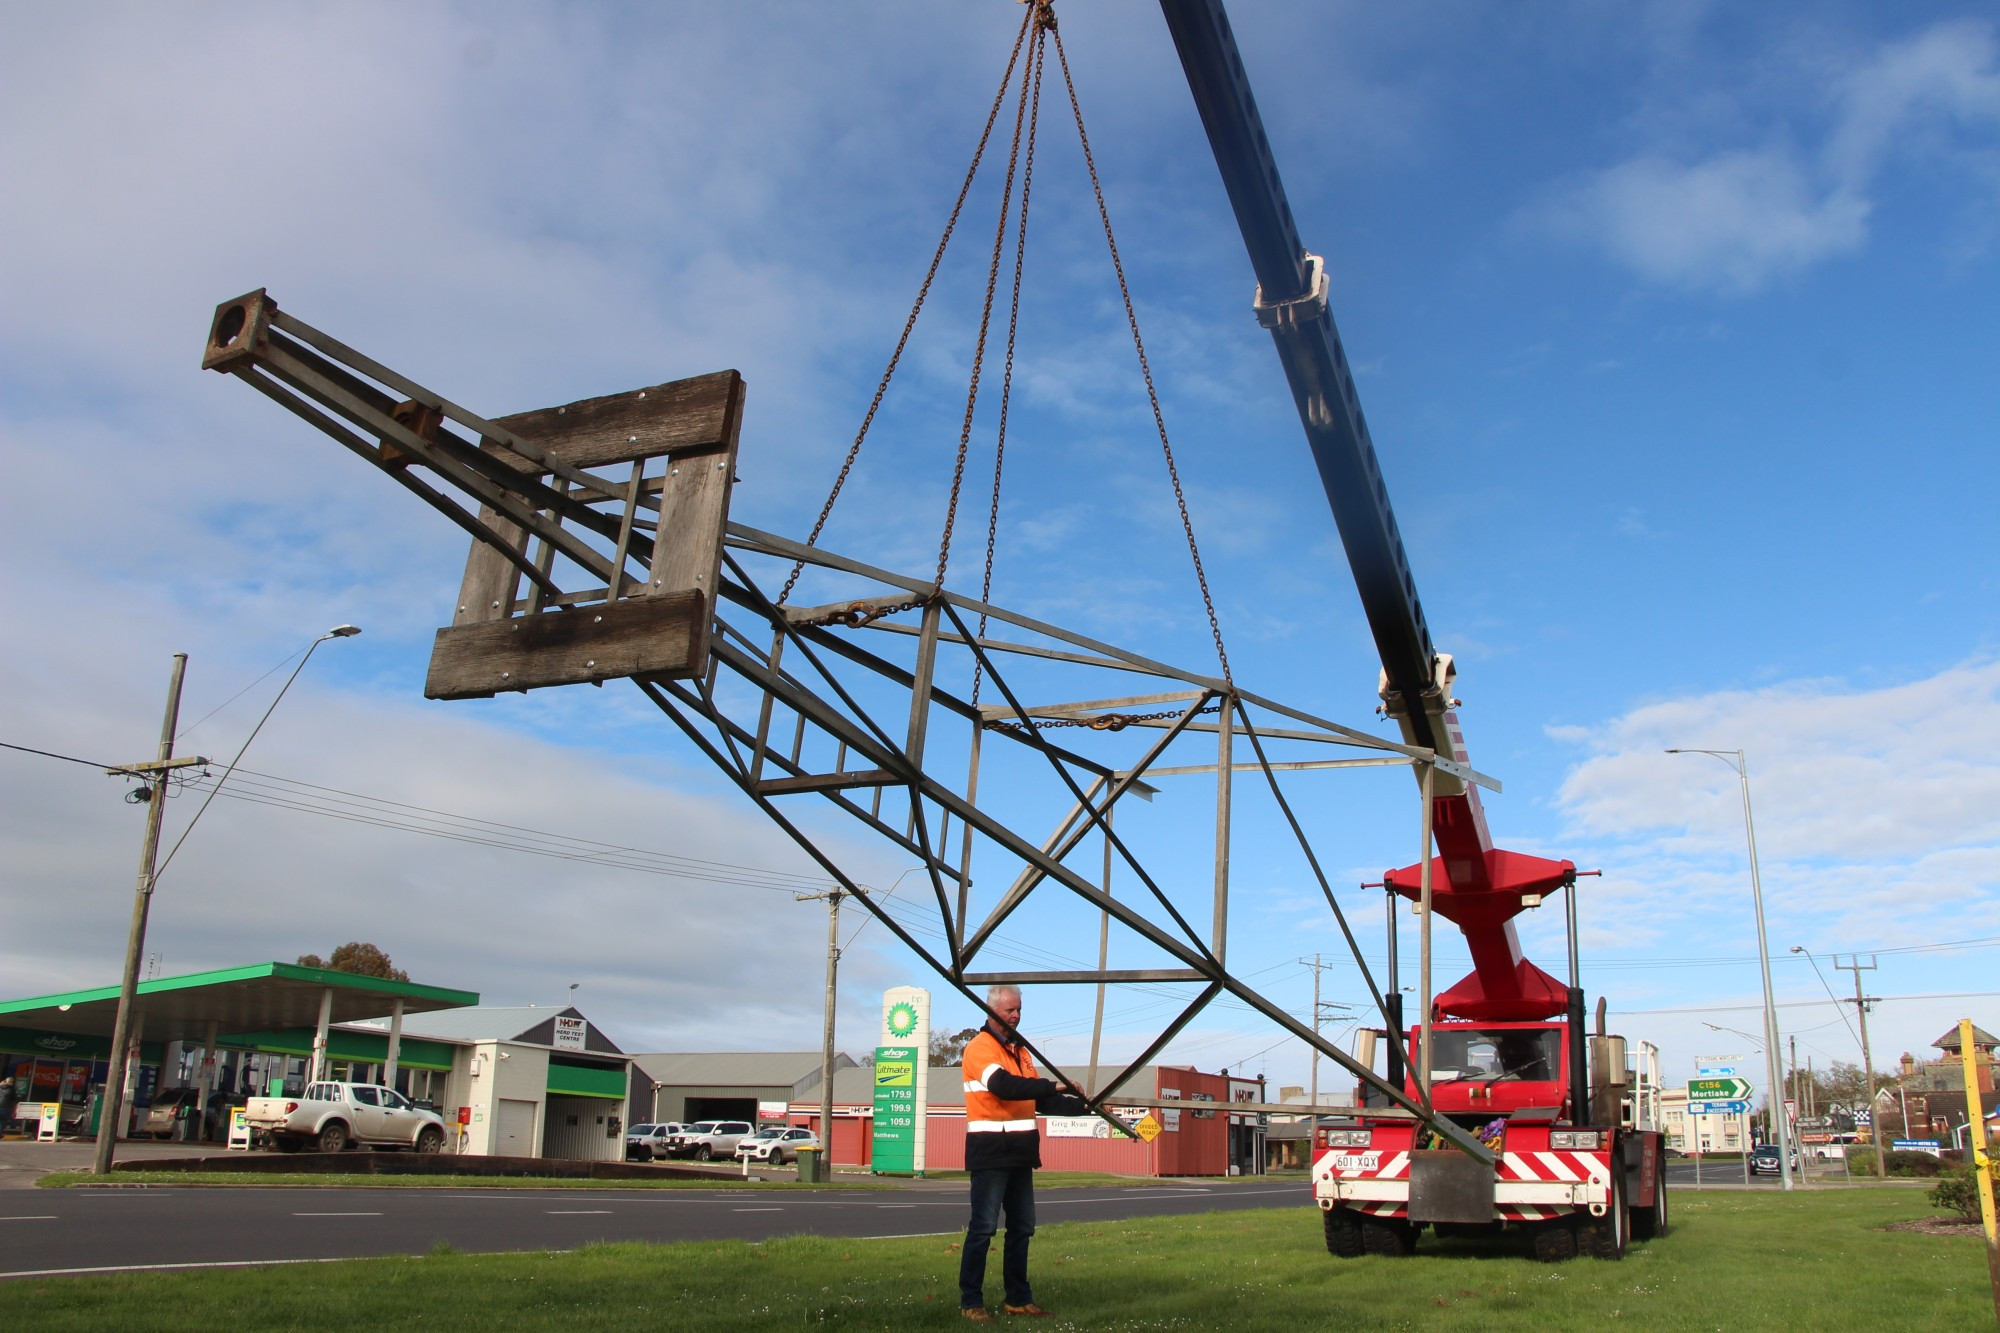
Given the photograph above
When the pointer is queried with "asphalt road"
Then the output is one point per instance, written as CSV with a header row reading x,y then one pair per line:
x,y
1681,1171
95,1230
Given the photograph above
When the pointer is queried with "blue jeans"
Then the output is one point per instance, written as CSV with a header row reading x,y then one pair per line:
x,y
1014,1190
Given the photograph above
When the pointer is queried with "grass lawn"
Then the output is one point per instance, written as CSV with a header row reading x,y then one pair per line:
x,y
1733,1261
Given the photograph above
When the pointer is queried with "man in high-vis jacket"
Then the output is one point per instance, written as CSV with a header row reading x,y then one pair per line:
x,y
1002,1150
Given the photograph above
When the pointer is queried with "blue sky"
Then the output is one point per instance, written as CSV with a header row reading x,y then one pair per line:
x,y
1673,325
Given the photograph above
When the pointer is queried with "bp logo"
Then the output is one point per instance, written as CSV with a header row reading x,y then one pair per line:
x,y
902,1018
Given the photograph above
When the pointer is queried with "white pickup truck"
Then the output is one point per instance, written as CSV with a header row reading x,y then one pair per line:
x,y
330,1116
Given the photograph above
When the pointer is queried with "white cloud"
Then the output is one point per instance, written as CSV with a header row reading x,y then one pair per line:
x,y
1947,75
1735,219
1837,772
1877,829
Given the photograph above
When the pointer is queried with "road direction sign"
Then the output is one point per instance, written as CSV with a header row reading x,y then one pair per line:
x,y
1717,1089
1718,1108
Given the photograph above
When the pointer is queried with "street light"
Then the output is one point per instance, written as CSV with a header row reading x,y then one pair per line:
x,y
1735,759
156,774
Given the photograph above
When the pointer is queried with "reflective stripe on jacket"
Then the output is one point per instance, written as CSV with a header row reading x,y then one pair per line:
x,y
985,1113
999,1133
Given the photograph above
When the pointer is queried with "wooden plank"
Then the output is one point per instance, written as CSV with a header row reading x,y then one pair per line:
x,y
694,512
678,416
638,636
491,579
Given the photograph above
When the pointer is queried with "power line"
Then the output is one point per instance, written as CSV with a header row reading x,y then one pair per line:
x,y
239,694
51,754
1809,1004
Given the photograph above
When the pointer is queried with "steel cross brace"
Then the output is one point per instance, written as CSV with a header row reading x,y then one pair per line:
x,y
523,495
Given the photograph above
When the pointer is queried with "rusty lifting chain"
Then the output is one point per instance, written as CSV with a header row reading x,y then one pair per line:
x,y
1041,22
1098,721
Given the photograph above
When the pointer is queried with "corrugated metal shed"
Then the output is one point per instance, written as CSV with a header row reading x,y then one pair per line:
x,y
740,1069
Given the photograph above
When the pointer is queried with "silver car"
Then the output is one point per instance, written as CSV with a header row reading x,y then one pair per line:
x,y
776,1145
706,1140
646,1142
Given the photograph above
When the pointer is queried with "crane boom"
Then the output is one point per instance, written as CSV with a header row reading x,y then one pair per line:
x,y
1480,887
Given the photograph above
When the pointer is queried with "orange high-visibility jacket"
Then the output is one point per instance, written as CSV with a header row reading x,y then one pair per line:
x,y
985,1111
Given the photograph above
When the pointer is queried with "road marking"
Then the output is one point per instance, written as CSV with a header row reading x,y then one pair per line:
x,y
895,1205
157,1268
579,1212
756,1210
32,1217
336,1214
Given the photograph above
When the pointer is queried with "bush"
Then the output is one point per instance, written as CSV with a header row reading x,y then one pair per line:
x,y
1909,1163
1957,1191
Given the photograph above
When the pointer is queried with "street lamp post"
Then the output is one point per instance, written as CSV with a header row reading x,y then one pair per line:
x,y
1735,759
118,1071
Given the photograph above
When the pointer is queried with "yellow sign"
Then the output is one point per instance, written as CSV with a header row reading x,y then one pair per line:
x,y
1148,1128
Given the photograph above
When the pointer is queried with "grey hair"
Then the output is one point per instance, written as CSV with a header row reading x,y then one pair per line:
x,y
993,993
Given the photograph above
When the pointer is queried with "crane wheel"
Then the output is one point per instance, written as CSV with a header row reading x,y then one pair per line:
x,y
1343,1233
1392,1238
1648,1223
1555,1242
1606,1237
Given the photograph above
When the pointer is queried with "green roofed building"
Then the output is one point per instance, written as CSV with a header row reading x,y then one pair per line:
x,y
522,1081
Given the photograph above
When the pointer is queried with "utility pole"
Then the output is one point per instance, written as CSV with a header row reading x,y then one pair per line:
x,y
121,1069
1861,1004
833,897
1312,1097
1318,965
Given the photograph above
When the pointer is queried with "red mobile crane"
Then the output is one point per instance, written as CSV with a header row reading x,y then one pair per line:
x,y
1575,1132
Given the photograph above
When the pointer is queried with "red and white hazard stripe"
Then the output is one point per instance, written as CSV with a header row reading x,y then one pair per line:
x,y
1549,1183
1528,1187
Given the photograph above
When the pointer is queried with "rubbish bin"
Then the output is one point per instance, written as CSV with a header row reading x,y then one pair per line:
x,y
809,1166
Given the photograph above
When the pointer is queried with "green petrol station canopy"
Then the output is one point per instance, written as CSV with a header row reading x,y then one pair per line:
x,y
258,998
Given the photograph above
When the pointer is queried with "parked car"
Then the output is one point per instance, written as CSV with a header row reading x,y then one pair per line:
x,y
706,1140
330,1116
1765,1160
645,1142
163,1118
160,1118
776,1145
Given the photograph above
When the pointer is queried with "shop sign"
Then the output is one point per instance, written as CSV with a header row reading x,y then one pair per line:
x,y
570,1033
51,1122
1075,1127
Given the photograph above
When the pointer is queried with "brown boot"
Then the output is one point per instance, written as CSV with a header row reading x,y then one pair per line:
x,y
1029,1309
978,1314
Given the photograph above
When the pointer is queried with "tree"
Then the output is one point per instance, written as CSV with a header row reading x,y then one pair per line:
x,y
948,1048
357,959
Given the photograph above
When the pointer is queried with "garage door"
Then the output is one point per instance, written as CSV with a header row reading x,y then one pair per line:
x,y
516,1136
